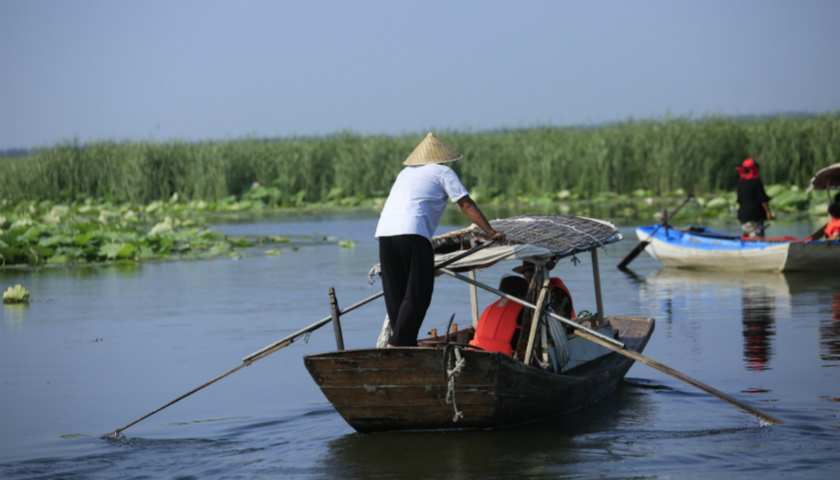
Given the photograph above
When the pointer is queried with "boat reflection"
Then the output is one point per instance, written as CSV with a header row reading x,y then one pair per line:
x,y
830,332
817,295
759,318
540,449
674,293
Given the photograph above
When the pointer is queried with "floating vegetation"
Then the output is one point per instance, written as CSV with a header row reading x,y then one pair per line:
x,y
16,295
87,232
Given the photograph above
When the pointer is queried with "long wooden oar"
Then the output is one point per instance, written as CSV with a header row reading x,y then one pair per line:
x,y
644,243
264,352
619,347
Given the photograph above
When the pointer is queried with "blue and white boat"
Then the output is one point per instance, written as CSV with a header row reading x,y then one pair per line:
x,y
702,248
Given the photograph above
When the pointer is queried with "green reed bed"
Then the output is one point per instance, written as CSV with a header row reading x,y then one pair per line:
x,y
662,156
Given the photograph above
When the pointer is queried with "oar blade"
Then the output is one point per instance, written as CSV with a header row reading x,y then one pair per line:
x,y
633,254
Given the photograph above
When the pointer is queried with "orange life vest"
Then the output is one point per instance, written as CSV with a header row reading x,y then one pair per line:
x,y
557,283
833,226
496,327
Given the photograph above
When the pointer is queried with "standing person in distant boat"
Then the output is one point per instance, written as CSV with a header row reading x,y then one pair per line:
x,y
409,219
753,202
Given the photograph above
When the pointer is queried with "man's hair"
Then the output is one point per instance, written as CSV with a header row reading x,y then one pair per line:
x,y
514,285
834,210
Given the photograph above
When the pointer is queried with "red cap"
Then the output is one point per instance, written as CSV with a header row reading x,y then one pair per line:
x,y
750,163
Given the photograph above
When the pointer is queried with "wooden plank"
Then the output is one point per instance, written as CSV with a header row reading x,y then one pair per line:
x,y
346,396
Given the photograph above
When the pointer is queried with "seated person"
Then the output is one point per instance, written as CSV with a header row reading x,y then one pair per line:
x,y
499,325
822,232
561,299
832,230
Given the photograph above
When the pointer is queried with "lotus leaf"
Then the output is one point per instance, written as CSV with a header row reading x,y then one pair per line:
x,y
717,202
220,248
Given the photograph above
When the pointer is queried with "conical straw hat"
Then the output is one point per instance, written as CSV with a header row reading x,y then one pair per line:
x,y
432,150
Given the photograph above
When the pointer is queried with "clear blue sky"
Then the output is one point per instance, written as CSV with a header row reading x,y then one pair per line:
x,y
203,69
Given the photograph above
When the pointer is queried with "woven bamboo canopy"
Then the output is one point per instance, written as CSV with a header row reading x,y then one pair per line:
x,y
827,178
563,235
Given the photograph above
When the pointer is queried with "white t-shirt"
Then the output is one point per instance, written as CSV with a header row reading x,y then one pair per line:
x,y
417,200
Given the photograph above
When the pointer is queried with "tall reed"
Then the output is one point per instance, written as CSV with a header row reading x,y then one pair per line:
x,y
657,156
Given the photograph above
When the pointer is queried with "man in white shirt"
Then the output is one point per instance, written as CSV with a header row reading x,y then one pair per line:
x,y
408,221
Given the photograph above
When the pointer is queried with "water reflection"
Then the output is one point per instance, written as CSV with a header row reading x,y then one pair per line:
x,y
817,300
759,317
830,332
686,294
14,314
559,447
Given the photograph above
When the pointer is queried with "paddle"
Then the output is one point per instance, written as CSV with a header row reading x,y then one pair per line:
x,y
258,355
619,348
644,243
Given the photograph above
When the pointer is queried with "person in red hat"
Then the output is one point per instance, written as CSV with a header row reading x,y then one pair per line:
x,y
753,202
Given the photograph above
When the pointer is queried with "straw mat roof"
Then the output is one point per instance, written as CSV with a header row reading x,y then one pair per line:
x,y
562,234
825,178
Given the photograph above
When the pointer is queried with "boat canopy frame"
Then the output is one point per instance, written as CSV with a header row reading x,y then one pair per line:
x,y
541,239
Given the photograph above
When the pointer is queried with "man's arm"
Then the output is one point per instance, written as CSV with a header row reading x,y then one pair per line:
x,y
476,216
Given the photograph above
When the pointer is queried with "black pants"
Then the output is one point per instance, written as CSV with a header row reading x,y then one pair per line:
x,y
408,280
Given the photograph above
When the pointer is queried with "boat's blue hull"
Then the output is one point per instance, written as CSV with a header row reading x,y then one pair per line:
x,y
707,249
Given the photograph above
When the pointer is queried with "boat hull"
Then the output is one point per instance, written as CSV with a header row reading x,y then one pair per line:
x,y
716,251
407,388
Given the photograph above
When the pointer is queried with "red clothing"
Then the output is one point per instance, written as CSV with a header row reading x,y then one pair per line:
x,y
498,323
832,227
749,169
557,283
497,326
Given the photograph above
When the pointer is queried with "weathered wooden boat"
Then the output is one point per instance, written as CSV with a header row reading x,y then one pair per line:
x,y
444,383
702,248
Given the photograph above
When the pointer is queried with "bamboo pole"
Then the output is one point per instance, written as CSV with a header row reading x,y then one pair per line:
x,y
532,334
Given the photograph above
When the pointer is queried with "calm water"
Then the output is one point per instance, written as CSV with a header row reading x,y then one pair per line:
x,y
100,348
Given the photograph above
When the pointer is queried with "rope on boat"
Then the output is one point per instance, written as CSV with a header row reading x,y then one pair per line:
x,y
451,374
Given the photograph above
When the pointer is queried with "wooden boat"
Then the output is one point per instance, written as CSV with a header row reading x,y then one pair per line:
x,y
703,248
446,384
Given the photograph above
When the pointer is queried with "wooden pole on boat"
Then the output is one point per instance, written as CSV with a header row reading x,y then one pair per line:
x,y
596,273
473,300
339,338
644,243
532,334
620,348
266,351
